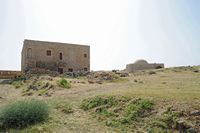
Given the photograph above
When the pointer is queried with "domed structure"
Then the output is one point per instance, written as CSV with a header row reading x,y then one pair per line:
x,y
141,61
143,65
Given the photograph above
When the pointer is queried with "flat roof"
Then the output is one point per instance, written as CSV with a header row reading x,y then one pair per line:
x,y
55,42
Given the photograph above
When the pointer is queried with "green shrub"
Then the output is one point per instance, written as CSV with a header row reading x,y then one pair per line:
x,y
20,114
135,109
64,83
97,101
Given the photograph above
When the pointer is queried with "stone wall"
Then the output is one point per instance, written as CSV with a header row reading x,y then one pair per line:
x,y
74,57
7,74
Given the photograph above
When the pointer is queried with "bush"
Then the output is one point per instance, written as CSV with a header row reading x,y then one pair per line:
x,y
23,113
97,101
64,83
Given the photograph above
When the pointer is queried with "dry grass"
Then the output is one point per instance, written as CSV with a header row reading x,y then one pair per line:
x,y
176,87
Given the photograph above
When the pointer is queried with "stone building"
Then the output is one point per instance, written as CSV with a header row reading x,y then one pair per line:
x,y
43,57
142,65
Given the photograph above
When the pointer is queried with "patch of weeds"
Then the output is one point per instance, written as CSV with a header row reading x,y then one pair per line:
x,y
97,101
103,112
21,114
135,109
159,124
64,83
117,112
64,107
170,117
42,92
157,130
18,82
167,121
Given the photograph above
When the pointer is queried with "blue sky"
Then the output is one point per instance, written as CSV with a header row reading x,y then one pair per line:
x,y
118,31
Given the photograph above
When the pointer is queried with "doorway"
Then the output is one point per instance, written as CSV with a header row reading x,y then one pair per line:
x,y
60,70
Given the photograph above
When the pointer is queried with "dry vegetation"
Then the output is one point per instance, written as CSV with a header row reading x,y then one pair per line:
x,y
155,101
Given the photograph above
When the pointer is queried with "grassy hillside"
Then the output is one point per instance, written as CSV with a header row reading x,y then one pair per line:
x,y
154,101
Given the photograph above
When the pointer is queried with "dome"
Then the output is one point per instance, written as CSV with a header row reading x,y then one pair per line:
x,y
141,62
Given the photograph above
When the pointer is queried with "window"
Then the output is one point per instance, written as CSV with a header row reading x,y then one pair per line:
x,y
85,69
85,55
48,52
60,56
29,53
70,70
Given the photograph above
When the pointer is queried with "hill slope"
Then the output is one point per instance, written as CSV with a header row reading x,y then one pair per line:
x,y
166,100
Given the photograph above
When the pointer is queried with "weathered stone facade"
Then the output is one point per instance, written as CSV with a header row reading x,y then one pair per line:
x,y
143,65
41,56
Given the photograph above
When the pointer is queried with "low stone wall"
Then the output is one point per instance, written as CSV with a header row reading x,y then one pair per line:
x,y
7,74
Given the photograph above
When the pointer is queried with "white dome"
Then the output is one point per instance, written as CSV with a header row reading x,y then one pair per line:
x,y
141,61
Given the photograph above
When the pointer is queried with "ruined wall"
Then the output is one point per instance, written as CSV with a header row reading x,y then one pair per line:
x,y
73,56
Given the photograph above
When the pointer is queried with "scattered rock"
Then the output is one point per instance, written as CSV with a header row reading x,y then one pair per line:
x,y
124,74
32,87
99,82
91,81
117,110
46,85
102,76
183,125
29,93
115,71
47,94
76,74
82,82
195,113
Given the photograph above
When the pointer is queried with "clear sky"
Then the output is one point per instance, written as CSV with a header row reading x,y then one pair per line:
x,y
118,31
